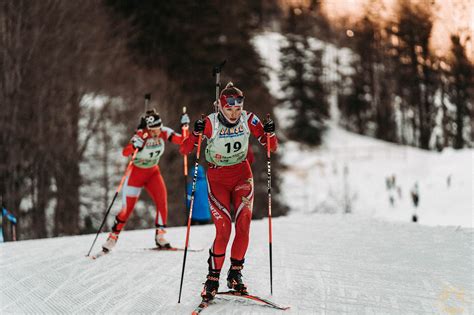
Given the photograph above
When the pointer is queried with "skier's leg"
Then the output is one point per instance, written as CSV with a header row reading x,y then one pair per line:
x,y
242,197
219,202
156,188
243,203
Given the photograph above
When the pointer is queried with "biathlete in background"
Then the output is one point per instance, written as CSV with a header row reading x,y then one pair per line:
x,y
230,181
150,141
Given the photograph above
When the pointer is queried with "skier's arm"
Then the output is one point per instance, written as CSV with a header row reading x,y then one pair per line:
x,y
256,128
171,135
190,142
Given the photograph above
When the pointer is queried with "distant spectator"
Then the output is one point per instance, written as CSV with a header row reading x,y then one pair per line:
x,y
201,213
415,197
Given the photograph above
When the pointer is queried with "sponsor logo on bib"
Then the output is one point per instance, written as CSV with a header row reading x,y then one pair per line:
x,y
231,132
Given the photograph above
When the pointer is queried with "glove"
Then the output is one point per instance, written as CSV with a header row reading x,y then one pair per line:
x,y
269,126
137,142
199,126
185,119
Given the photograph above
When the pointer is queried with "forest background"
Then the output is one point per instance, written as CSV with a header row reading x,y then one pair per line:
x,y
74,75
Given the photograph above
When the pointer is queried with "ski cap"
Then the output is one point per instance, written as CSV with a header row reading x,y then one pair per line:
x,y
231,96
152,119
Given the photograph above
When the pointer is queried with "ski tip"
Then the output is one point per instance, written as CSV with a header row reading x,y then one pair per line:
x,y
99,254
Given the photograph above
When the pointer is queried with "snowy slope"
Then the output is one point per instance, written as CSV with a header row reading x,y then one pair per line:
x,y
353,167
322,265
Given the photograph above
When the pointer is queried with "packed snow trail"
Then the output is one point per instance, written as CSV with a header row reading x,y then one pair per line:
x,y
322,264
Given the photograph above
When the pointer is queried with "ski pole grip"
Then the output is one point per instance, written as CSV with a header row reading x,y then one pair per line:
x,y
147,96
218,68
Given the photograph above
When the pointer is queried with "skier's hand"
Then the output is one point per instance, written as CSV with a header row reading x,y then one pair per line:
x,y
185,119
137,142
199,126
269,126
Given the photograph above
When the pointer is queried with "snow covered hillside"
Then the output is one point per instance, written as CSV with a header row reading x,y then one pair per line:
x,y
349,172
321,265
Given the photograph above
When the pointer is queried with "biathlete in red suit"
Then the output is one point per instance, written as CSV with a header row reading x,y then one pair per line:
x,y
150,140
230,181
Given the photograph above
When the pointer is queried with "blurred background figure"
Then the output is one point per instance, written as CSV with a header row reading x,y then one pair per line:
x,y
7,226
201,212
415,197
392,189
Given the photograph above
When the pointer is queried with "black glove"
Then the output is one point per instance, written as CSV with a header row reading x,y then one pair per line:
x,y
269,126
199,126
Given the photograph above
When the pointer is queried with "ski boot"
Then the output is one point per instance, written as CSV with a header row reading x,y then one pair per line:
x,y
111,241
160,239
210,286
234,276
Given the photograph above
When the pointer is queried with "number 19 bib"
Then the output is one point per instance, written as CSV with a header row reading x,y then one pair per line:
x,y
228,146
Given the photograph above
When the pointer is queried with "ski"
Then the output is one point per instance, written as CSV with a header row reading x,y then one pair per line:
x,y
265,302
100,254
204,304
174,249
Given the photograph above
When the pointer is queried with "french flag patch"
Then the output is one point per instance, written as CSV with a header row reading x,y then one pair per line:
x,y
255,120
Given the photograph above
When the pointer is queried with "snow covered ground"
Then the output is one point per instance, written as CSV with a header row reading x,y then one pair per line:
x,y
322,264
372,261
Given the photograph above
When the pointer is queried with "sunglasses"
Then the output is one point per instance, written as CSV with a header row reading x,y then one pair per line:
x,y
232,100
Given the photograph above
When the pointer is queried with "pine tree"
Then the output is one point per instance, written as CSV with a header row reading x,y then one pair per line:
x,y
460,81
301,76
357,107
413,67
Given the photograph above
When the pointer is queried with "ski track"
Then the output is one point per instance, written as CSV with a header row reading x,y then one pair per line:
x,y
322,264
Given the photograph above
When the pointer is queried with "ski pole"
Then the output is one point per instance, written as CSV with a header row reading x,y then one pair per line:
x,y
127,171
191,204
147,100
216,72
269,187
184,132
